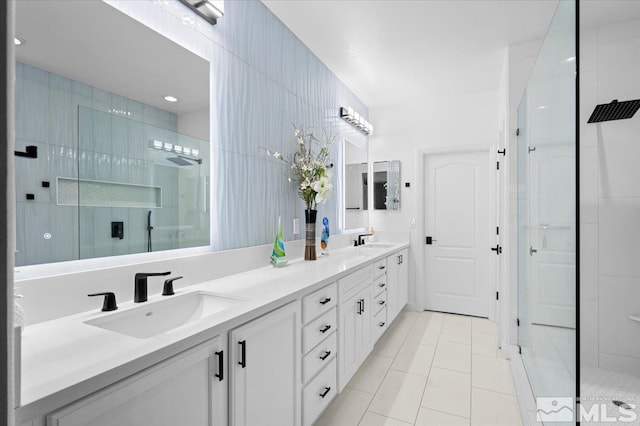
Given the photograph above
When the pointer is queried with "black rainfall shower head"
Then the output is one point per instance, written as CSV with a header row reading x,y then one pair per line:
x,y
614,111
179,161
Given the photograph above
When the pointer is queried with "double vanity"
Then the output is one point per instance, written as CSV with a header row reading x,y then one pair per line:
x,y
270,346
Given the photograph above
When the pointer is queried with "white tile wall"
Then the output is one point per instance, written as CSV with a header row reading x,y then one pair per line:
x,y
610,200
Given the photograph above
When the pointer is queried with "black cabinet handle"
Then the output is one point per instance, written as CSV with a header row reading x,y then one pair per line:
x,y
362,305
381,267
359,307
326,391
381,302
381,285
402,258
220,375
325,355
243,353
381,324
325,328
325,301
399,259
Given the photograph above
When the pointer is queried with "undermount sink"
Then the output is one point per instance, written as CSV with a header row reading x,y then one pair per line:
x,y
154,318
376,246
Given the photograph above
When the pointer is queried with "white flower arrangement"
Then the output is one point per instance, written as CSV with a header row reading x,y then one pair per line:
x,y
310,171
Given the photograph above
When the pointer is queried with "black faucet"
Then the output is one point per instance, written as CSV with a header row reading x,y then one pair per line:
x,y
361,239
140,289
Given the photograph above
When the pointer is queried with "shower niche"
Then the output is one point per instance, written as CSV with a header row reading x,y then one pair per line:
x,y
92,94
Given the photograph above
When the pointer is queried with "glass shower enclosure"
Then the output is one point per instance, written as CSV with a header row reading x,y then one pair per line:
x,y
547,220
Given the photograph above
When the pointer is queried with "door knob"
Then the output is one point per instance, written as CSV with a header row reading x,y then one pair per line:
x,y
532,251
430,240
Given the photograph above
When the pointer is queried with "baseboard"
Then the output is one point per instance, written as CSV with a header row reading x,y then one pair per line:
x,y
526,401
412,306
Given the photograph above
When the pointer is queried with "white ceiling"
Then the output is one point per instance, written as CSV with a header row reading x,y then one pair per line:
x,y
394,51
92,42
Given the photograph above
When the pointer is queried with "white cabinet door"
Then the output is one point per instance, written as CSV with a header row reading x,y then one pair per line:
x,y
403,280
355,334
393,286
184,390
264,368
397,283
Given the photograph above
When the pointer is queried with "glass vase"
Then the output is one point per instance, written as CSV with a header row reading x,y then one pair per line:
x,y
310,231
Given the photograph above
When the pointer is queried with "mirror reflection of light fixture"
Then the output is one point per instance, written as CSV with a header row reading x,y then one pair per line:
x,y
210,10
356,120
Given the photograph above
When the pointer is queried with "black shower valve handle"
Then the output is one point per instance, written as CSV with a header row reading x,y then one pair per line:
x,y
167,290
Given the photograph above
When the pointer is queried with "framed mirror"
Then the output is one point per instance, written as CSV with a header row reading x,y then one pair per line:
x,y
386,185
356,188
119,115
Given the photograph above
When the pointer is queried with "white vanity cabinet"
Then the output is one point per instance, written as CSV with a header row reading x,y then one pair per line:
x,y
264,370
355,322
397,283
187,389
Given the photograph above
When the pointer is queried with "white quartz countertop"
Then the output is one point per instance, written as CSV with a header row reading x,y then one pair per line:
x,y
66,359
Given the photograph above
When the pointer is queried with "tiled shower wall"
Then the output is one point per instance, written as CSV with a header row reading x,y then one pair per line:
x,y
47,116
610,200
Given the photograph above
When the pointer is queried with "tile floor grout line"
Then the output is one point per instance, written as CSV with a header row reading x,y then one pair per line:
x,y
385,375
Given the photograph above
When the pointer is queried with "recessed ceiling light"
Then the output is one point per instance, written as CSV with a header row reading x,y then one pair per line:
x,y
18,41
170,98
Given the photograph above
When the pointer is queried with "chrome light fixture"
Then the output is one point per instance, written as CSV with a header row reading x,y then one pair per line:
x,y
210,10
356,120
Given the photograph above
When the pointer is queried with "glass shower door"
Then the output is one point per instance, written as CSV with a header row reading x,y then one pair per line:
x,y
547,217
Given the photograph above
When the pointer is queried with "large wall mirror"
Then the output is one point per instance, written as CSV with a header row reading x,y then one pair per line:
x,y
356,201
386,185
120,118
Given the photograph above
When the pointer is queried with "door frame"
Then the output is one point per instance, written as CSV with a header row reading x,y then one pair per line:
x,y
421,157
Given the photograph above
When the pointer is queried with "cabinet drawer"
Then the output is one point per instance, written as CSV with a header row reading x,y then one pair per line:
x,y
318,330
379,285
379,323
319,357
318,394
379,268
379,302
319,302
352,283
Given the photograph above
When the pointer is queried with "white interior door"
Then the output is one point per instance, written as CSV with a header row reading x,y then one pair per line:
x,y
551,235
458,218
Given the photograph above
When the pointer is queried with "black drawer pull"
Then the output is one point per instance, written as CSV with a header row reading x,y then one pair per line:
x,y
325,301
243,353
381,285
325,355
220,374
381,302
381,267
326,391
359,307
325,328
381,324
362,305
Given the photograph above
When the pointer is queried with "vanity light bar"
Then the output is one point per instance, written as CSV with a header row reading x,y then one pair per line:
x,y
210,10
356,120
178,149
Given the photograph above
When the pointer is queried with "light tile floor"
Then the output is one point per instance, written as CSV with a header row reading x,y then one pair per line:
x,y
430,368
